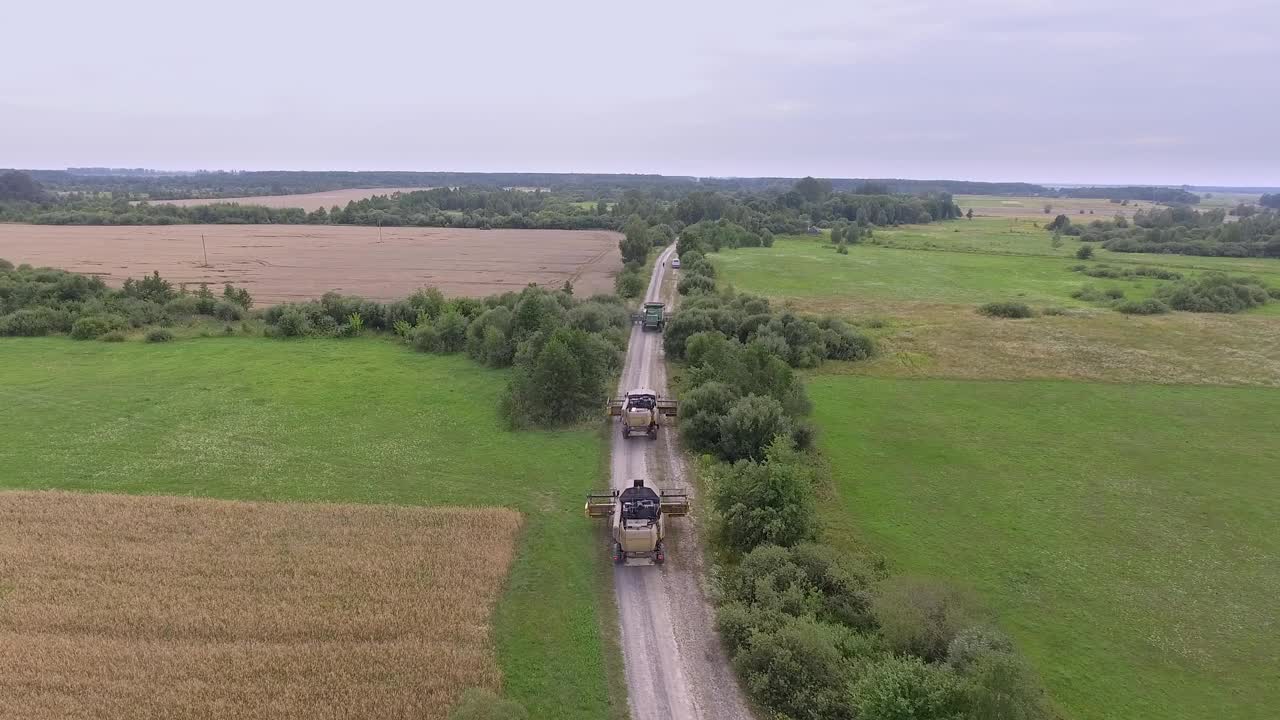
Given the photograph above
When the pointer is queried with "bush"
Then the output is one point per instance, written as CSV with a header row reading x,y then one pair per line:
x,y
901,688
113,336
228,311
292,322
482,704
28,322
452,329
1113,293
700,412
425,338
159,335
693,284
1214,293
770,502
750,426
1150,306
1053,310
1085,252
1015,310
89,327
843,343
921,617
629,284
239,296
798,670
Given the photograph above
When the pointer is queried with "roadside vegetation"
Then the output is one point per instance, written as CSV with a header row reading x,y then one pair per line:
x,y
814,632
1181,230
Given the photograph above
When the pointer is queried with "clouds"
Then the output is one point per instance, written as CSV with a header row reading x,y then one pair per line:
x,y
997,89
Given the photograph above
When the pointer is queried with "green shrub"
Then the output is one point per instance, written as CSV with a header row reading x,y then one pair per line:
x,y
1006,310
239,296
905,688
769,502
1084,252
843,343
452,331
28,322
750,426
228,311
425,338
113,336
1113,293
1214,293
1053,310
1150,306
89,327
693,284
159,335
921,617
292,322
1274,293
798,670
629,284
483,704
1088,293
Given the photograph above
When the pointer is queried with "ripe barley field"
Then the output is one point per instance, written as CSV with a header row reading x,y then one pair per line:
x,y
160,607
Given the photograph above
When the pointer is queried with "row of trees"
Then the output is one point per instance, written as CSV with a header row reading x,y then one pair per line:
x,y
815,634
44,301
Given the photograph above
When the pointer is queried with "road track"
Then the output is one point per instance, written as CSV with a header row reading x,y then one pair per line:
x,y
675,665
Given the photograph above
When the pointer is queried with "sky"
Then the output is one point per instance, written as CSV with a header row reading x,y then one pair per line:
x,y
1086,91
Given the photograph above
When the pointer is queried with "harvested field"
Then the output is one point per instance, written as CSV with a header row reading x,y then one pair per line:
x,y
118,606
280,263
306,201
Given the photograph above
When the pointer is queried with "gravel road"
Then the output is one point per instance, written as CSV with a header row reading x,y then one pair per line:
x,y
676,667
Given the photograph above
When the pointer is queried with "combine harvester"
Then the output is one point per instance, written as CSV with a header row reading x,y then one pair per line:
x,y
641,411
639,517
652,317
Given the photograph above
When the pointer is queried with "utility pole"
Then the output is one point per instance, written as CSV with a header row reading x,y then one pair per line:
x,y
206,250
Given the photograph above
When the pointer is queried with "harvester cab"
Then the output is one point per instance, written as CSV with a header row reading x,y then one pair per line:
x,y
638,515
641,411
652,317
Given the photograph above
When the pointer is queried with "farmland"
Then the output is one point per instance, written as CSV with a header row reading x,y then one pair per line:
x,y
1089,474
358,421
306,201
1124,534
283,263
261,610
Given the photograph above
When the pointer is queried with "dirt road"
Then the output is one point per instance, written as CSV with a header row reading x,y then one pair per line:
x,y
676,668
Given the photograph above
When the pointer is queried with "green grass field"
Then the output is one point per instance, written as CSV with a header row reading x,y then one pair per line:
x,y
332,421
1125,535
983,262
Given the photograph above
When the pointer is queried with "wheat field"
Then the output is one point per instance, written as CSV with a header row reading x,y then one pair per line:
x,y
117,606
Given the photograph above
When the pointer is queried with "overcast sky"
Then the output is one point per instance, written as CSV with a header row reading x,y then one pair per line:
x,y
1105,91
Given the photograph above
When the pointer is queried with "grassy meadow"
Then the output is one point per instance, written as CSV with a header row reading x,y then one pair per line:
x,y
362,421
1125,535
1103,482
916,288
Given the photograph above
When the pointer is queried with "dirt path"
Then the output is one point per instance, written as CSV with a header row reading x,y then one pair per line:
x,y
676,668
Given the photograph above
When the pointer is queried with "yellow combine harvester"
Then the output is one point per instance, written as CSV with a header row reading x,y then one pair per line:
x,y
639,520
641,411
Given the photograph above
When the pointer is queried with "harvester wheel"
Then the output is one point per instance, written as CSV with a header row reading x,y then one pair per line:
x,y
653,432
659,553
618,557
626,431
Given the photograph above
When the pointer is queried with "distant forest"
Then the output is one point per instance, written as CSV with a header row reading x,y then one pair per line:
x,y
791,209
139,184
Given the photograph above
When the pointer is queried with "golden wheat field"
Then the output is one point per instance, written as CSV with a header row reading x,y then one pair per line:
x,y
144,607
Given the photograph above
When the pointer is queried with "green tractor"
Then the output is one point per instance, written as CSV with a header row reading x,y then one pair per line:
x,y
652,317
